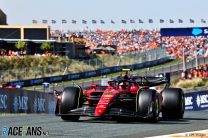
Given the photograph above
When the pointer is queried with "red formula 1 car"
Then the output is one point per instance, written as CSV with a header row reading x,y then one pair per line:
x,y
123,97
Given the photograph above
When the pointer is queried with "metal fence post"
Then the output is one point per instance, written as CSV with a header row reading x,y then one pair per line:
x,y
96,62
102,62
16,75
89,62
162,69
178,69
204,59
59,69
53,87
82,84
42,73
25,73
63,84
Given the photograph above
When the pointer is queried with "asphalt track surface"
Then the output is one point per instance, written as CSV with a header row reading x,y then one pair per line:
x,y
97,128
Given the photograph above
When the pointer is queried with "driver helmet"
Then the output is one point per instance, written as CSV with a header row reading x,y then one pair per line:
x,y
123,85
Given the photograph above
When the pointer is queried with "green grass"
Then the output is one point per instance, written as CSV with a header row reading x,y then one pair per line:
x,y
31,67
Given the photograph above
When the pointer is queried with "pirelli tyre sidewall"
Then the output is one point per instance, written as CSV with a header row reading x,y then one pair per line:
x,y
173,104
71,99
148,104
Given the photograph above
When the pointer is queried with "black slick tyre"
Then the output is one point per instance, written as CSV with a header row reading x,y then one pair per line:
x,y
71,99
173,104
148,105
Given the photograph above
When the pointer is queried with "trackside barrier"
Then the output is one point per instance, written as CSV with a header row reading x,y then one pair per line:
x,y
24,101
196,101
87,74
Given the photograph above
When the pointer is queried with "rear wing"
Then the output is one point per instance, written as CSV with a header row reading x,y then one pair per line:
x,y
153,80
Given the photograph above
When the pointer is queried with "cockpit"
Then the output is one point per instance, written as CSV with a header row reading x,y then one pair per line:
x,y
123,84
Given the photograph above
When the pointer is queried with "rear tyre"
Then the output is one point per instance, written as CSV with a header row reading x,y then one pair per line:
x,y
148,105
173,104
71,99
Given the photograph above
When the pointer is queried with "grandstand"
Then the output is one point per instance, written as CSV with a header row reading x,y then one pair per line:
x,y
140,40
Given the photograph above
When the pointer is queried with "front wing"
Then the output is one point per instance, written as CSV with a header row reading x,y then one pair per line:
x,y
112,112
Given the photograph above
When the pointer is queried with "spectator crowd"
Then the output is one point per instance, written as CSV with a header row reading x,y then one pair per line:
x,y
193,46
201,72
126,41
139,40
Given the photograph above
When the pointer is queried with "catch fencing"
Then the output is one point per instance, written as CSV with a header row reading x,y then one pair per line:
x,y
58,69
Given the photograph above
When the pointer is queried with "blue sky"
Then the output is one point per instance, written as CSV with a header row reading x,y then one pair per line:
x,y
22,12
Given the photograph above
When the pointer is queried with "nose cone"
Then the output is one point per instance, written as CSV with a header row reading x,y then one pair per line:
x,y
102,105
100,111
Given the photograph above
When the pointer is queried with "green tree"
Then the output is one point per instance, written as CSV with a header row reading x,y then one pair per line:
x,y
46,46
21,45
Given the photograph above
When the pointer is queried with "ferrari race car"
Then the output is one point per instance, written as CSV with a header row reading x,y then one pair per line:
x,y
125,96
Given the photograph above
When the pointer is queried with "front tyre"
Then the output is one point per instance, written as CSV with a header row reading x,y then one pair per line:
x,y
71,99
148,104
